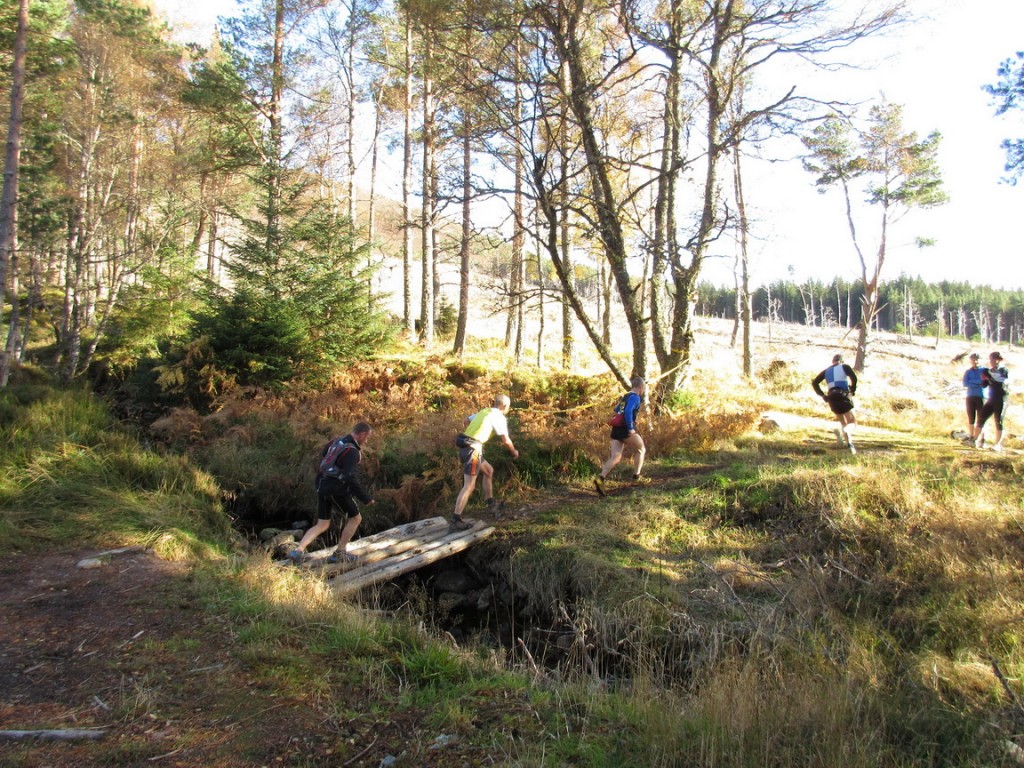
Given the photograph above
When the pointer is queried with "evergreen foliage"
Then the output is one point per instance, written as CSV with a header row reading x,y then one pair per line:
x,y
953,308
255,338
304,260
1008,94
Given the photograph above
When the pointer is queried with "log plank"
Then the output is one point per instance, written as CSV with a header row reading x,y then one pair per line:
x,y
424,530
429,552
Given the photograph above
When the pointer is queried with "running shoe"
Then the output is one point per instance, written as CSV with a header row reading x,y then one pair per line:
x,y
297,556
599,485
460,524
342,557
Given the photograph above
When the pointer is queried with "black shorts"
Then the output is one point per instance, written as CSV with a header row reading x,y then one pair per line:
x,y
839,401
620,434
993,407
974,406
471,453
332,494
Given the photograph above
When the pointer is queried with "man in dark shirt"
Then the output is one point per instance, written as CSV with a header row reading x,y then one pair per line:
x,y
335,488
842,384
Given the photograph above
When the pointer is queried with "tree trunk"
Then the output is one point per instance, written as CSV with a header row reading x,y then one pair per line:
x,y
540,297
9,197
427,211
606,205
517,283
568,348
212,272
459,348
276,126
663,245
743,293
350,120
548,228
407,243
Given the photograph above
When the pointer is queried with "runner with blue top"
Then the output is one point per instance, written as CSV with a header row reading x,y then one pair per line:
x,y
842,384
624,435
975,386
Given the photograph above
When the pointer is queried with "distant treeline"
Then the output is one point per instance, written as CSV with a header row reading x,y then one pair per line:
x,y
908,305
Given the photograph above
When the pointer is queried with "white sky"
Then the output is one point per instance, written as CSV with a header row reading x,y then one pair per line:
x,y
935,68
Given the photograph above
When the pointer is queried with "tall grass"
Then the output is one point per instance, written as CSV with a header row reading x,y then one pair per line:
x,y
757,604
70,474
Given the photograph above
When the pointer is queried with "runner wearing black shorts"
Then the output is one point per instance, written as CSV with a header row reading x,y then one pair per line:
x,y
842,385
995,378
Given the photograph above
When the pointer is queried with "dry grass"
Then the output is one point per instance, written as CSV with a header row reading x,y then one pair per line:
x,y
768,600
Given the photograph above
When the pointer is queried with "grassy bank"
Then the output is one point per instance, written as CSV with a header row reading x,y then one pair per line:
x,y
763,599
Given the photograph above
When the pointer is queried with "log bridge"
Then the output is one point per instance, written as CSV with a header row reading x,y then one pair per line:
x,y
391,553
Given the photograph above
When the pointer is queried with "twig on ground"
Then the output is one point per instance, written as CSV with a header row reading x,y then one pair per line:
x,y
363,752
529,656
167,754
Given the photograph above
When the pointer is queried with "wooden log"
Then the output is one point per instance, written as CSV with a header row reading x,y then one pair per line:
x,y
410,560
384,548
401,550
421,530
60,733
425,529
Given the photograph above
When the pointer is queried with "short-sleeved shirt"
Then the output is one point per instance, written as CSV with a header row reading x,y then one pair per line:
x,y
489,421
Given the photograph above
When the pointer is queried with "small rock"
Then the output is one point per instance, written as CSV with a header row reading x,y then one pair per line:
x,y
266,534
443,740
1014,752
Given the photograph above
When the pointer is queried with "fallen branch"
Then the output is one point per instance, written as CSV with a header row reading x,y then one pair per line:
x,y
1006,686
529,656
59,733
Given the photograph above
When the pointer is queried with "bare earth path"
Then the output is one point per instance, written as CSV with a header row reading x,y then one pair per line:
x,y
122,648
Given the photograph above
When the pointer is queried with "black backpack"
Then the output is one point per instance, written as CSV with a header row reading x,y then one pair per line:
x,y
329,464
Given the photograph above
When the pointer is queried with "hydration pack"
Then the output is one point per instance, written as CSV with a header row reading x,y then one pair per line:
x,y
329,464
